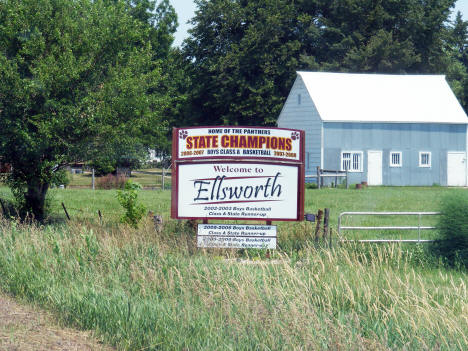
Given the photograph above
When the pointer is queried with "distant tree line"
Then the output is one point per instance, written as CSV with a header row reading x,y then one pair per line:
x,y
99,80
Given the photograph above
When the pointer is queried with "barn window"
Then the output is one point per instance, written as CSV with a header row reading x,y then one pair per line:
x,y
424,159
395,159
351,161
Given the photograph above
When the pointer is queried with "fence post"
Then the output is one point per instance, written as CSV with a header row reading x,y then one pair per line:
x,y
66,212
346,177
317,226
93,179
325,224
318,177
163,174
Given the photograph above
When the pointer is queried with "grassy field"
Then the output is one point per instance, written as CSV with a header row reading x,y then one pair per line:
x,y
142,289
84,204
147,178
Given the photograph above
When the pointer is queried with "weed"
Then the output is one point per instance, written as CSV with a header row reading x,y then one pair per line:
x,y
128,199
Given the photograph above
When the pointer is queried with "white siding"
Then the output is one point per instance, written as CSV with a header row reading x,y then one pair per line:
x,y
304,116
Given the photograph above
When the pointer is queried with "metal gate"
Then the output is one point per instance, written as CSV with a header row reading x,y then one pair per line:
x,y
419,227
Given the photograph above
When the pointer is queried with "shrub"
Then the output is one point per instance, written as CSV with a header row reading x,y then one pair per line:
x,y
61,177
111,181
102,166
128,198
452,243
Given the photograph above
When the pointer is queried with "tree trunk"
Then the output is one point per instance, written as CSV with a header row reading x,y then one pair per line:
x,y
35,199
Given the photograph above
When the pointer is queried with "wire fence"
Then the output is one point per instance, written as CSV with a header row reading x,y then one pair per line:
x,y
419,227
151,179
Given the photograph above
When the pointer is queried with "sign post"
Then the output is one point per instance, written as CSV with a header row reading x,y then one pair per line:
x,y
237,173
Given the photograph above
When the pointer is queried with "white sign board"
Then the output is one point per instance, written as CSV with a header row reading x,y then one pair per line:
x,y
239,142
240,190
236,236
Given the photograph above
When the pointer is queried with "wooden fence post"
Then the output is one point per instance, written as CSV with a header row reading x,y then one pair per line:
x,y
65,209
163,175
318,177
317,225
325,224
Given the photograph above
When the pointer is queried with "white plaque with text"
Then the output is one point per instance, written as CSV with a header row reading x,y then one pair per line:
x,y
236,236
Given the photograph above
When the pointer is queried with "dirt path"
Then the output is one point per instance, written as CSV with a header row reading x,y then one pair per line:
x,y
23,328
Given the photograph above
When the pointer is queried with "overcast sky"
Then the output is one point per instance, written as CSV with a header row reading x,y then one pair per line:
x,y
186,9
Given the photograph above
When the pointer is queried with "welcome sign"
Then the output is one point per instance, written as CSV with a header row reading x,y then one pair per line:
x,y
238,173
238,190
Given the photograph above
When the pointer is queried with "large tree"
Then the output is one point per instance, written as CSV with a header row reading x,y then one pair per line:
x,y
458,68
243,54
74,76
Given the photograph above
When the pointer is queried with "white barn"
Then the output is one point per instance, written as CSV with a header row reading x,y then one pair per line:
x,y
385,129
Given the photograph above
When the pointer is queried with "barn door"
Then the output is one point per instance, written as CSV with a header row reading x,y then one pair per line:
x,y
456,169
374,167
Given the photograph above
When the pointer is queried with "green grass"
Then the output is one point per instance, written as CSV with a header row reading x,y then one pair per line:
x,y
142,289
84,204
149,178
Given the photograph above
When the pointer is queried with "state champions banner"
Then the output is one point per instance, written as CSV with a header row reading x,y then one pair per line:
x,y
239,143
238,173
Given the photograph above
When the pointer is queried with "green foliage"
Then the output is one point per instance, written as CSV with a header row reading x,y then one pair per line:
x,y
75,78
128,199
311,185
162,20
119,154
61,177
457,70
452,243
102,165
243,55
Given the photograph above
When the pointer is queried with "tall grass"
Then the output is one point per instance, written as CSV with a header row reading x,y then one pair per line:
x,y
148,290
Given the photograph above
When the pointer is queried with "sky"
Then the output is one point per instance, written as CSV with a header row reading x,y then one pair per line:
x,y
186,9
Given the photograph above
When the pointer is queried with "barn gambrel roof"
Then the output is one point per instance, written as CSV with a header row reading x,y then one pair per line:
x,y
349,97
